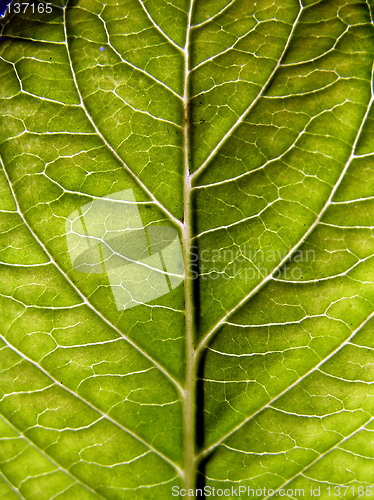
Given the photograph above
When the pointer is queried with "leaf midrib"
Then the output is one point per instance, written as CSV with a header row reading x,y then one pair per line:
x,y
189,178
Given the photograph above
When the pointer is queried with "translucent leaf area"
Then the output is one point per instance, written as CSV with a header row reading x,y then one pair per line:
x,y
187,248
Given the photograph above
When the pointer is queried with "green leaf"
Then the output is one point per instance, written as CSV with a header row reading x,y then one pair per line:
x,y
234,137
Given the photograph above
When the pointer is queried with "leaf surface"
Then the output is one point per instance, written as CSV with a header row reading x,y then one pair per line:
x,y
246,129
